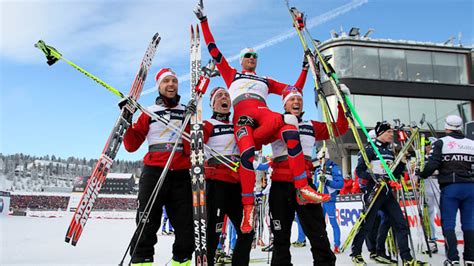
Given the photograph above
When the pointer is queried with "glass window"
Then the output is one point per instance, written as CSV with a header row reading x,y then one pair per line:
x,y
445,66
393,64
365,62
467,110
396,108
369,109
342,61
419,66
418,107
443,109
462,63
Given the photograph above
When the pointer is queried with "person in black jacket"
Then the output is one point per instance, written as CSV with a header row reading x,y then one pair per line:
x,y
453,157
385,201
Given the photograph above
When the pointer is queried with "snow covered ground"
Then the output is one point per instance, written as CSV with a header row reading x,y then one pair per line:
x,y
40,241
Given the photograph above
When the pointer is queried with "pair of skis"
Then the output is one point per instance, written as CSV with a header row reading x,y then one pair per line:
x,y
114,141
347,106
198,183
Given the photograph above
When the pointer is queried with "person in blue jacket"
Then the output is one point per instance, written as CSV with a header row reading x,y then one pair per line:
x,y
453,157
332,182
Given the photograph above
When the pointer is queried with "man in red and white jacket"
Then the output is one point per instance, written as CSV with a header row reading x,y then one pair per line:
x,y
223,191
248,93
175,194
282,193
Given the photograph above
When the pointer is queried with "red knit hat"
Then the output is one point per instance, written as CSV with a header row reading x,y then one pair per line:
x,y
289,92
164,72
214,93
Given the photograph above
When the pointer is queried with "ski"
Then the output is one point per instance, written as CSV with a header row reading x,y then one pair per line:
x,y
198,183
112,146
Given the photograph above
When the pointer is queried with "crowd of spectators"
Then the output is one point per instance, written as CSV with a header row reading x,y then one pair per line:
x,y
116,204
49,202
19,202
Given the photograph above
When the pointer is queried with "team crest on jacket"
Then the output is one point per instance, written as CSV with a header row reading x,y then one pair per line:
x,y
242,132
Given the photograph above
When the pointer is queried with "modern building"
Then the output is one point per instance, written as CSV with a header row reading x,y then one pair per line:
x,y
400,80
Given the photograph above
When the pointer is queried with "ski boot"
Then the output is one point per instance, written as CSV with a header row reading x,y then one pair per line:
x,y
451,262
382,258
358,260
373,254
248,219
336,250
413,262
299,244
268,248
307,195
171,232
433,247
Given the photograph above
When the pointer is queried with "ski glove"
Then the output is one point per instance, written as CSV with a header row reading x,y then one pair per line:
x,y
124,101
322,177
305,62
191,108
345,89
199,11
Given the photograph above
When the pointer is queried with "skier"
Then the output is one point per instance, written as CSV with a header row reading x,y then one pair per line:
x,y
332,181
453,157
255,124
282,193
385,201
223,191
175,193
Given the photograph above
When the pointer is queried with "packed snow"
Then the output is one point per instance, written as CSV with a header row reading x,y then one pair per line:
x,y
27,240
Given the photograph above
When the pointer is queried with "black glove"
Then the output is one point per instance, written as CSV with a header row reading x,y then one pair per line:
x,y
418,172
305,62
199,11
191,107
124,101
322,177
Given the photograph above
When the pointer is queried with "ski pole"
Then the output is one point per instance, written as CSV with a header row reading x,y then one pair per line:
x,y
402,193
53,56
349,110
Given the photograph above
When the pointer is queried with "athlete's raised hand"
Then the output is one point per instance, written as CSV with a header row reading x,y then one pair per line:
x,y
199,11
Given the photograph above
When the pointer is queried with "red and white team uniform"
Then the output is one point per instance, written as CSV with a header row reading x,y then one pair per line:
x,y
310,132
160,138
219,135
248,93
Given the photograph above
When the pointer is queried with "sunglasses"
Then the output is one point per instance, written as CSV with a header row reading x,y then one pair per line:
x,y
249,55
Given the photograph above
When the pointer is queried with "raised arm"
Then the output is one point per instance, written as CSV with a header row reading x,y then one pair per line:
x,y
339,128
277,87
227,72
